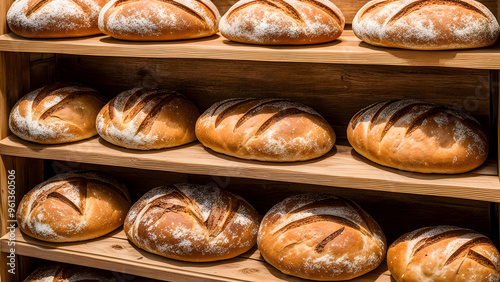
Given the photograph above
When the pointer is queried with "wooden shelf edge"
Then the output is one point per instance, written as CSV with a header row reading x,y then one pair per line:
x,y
116,254
342,167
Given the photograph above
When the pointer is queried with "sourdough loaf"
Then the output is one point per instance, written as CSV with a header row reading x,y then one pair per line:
x,y
59,272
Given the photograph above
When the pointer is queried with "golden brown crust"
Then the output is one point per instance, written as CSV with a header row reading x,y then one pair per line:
x,y
275,130
59,272
321,237
58,113
418,136
74,206
192,223
444,253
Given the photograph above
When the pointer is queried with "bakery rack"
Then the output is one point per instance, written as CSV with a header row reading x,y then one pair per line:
x,y
337,79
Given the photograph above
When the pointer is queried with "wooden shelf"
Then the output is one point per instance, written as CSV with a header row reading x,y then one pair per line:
x,y
342,167
115,253
348,49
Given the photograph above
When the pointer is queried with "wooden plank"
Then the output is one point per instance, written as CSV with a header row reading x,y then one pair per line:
x,y
331,170
347,50
116,254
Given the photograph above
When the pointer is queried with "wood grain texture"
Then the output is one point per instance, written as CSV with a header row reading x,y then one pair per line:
x,y
115,253
348,49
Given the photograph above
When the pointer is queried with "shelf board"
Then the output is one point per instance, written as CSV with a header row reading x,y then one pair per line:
x,y
348,49
115,253
341,167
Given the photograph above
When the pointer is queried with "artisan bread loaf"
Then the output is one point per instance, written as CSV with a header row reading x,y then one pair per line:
x,y
445,254
192,222
146,119
59,272
142,20
282,22
321,237
73,206
418,136
275,130
54,18
57,113
426,24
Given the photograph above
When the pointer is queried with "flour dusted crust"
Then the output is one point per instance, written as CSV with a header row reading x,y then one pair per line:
x,y
445,254
282,22
426,24
321,237
54,18
142,20
73,206
192,222
276,130
147,119
59,272
57,113
418,136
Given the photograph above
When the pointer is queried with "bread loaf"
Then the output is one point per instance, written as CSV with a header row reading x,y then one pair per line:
x,y
148,119
57,113
59,272
73,206
445,254
192,222
54,18
418,136
426,24
274,130
142,20
282,22
321,237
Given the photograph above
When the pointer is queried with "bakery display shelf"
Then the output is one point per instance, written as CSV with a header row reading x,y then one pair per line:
x,y
348,49
115,253
341,167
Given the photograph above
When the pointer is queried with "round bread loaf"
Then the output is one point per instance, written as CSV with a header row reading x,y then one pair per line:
x,y
274,130
282,22
73,206
54,18
154,20
418,136
321,237
426,24
59,272
445,254
57,113
148,119
192,222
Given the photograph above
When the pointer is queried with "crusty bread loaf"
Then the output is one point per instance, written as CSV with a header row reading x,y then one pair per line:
x,y
73,206
321,237
274,130
146,119
426,24
54,18
445,254
59,272
192,222
418,136
142,20
283,22
56,113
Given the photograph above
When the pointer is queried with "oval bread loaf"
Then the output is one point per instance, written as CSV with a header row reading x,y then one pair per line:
x,y
146,119
418,136
59,272
321,237
54,18
282,22
73,206
426,24
274,130
445,254
57,113
154,20
192,222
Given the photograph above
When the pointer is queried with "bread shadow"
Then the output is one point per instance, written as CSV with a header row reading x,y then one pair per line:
x,y
283,47
143,152
111,40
